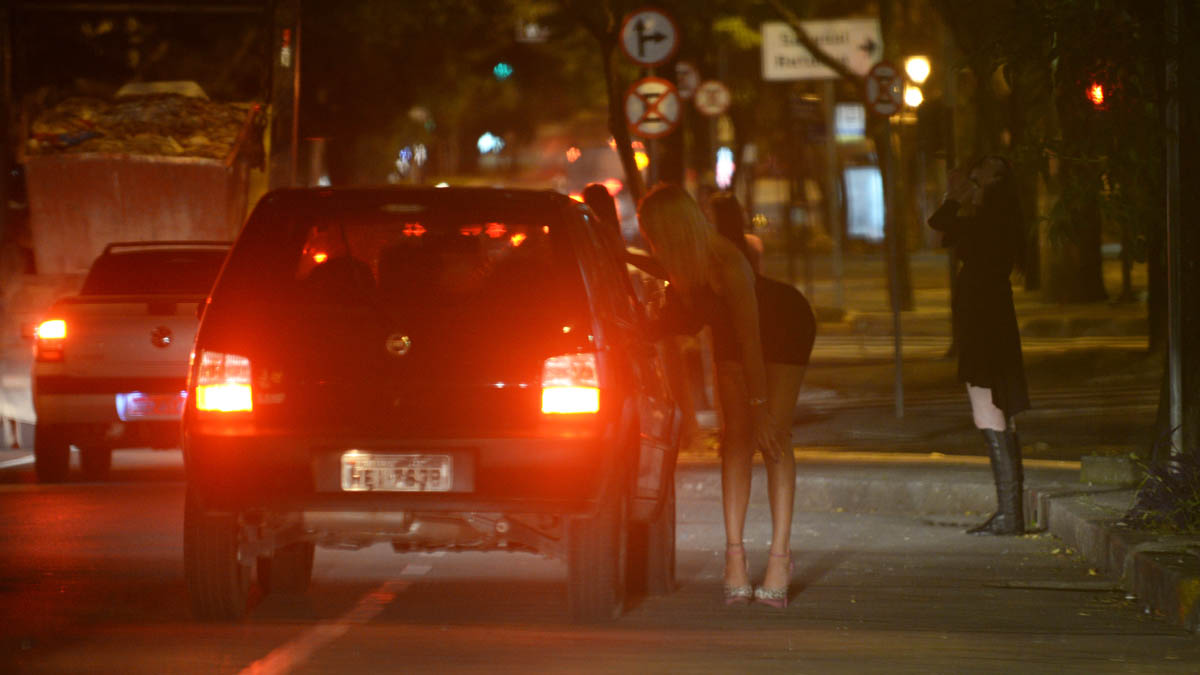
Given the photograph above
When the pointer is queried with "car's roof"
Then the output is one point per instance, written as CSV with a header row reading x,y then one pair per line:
x,y
171,246
369,197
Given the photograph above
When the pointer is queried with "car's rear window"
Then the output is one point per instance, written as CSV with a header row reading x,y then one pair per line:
x,y
155,272
405,255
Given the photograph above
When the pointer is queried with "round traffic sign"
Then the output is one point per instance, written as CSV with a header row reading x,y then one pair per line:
x,y
687,79
652,107
649,36
712,98
885,89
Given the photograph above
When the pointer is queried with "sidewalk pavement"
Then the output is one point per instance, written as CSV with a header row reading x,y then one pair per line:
x,y
1161,572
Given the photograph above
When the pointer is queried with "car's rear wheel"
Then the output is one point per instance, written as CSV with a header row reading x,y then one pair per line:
x,y
218,582
96,462
596,562
289,570
51,454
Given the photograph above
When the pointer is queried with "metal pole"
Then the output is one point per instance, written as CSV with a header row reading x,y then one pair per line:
x,y
6,102
285,94
893,254
833,206
789,235
950,98
1174,234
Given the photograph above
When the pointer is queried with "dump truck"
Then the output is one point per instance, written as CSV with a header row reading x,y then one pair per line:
x,y
151,164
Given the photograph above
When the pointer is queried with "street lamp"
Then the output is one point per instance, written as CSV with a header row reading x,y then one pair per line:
x,y
917,68
913,96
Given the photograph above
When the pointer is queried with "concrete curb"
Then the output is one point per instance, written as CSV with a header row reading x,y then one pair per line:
x,y
1065,325
877,482
1162,572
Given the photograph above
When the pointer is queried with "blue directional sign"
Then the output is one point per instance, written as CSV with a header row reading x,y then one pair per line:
x,y
649,36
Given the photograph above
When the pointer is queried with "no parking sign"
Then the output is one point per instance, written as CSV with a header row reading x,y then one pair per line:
x,y
652,107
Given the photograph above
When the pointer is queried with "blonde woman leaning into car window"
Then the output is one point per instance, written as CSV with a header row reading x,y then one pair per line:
x,y
713,284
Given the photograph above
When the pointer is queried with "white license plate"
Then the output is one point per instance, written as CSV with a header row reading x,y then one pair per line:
x,y
369,471
135,405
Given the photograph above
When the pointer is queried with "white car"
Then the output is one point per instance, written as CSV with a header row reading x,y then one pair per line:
x,y
110,364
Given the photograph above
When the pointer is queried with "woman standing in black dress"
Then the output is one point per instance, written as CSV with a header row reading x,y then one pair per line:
x,y
981,218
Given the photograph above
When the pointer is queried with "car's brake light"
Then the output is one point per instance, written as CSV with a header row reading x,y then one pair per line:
x,y
223,383
570,384
51,335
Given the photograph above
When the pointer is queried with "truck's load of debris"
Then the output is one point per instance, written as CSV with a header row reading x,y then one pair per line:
x,y
160,125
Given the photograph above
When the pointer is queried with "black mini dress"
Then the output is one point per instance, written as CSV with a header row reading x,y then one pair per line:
x,y
786,323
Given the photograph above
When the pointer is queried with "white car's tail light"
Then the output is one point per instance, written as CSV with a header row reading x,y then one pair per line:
x,y
51,336
223,383
570,384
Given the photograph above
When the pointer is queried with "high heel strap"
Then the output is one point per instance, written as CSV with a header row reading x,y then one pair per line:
x,y
775,597
737,595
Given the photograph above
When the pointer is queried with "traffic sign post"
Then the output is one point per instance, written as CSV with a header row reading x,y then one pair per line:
x,y
652,107
712,98
884,96
856,43
687,79
884,89
649,37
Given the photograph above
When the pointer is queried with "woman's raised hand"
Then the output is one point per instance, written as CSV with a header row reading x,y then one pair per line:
x,y
960,187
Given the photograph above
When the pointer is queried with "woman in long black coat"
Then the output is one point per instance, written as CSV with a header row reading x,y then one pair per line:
x,y
981,218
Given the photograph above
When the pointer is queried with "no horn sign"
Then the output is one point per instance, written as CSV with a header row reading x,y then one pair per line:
x,y
652,107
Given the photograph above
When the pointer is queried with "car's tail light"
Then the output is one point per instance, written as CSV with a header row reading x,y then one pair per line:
x,y
223,383
50,336
570,384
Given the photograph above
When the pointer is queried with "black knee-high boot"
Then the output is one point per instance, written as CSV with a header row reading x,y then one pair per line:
x,y
1004,449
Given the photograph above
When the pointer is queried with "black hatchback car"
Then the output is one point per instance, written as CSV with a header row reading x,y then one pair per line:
x,y
439,369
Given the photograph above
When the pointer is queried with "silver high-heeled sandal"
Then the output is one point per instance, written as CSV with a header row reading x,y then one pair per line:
x,y
737,595
775,597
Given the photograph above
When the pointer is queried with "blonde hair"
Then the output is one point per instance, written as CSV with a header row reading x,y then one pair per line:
x,y
682,239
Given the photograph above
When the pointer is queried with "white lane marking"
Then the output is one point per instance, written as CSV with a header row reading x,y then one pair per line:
x,y
16,462
293,654
414,570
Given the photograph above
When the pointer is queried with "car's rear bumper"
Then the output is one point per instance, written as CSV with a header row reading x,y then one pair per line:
x,y
85,419
288,473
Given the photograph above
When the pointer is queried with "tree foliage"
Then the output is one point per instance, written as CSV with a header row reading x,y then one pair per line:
x,y
1034,62
367,64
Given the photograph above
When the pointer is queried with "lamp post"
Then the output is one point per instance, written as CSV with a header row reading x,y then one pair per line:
x,y
917,68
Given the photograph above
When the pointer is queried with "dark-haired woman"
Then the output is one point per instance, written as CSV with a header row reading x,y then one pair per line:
x,y
981,218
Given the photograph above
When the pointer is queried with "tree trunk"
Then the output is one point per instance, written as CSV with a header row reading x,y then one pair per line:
x,y
617,125
1189,211
1071,267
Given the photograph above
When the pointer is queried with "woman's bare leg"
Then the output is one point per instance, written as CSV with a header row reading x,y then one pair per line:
x,y
985,412
737,455
783,387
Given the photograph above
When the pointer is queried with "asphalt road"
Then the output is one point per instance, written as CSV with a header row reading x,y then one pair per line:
x,y
91,580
